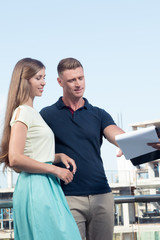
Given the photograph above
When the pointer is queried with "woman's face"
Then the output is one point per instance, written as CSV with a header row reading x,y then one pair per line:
x,y
37,83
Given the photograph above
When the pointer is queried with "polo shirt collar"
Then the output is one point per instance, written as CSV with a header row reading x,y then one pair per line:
x,y
60,104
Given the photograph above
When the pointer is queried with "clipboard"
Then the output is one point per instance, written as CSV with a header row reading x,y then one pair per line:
x,y
146,158
134,145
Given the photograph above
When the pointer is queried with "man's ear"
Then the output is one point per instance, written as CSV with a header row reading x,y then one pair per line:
x,y
59,81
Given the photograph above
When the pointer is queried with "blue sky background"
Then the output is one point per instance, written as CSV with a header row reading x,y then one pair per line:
x,y
118,43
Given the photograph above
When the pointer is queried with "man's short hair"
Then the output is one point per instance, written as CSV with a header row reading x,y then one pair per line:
x,y
68,64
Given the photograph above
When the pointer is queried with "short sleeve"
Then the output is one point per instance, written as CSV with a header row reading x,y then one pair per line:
x,y
21,115
106,119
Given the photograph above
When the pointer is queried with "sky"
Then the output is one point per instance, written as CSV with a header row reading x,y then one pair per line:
x,y
117,42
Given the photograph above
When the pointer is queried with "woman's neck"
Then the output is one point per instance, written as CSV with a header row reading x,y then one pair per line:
x,y
29,102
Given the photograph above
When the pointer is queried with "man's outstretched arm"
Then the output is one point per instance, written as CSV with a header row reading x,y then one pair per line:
x,y
110,132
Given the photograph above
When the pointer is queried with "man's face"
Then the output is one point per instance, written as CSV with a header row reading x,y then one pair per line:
x,y
73,83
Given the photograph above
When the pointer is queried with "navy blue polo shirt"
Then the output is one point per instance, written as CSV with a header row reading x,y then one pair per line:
x,y
79,135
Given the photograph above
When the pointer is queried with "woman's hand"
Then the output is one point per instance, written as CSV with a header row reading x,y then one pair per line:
x,y
67,161
64,174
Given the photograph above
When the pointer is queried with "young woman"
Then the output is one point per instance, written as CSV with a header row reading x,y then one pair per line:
x,y
40,208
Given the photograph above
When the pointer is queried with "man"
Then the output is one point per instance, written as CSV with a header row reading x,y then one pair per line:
x,y
79,128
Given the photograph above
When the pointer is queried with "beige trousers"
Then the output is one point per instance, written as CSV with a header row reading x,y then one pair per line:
x,y
94,215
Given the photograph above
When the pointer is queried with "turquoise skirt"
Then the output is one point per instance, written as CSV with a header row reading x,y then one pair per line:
x,y
41,211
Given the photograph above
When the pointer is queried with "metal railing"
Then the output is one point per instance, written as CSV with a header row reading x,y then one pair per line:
x,y
120,221
137,198
8,203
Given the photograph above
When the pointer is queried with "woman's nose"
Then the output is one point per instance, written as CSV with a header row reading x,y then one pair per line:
x,y
43,83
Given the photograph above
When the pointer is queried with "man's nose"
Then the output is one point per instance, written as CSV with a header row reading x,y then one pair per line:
x,y
77,82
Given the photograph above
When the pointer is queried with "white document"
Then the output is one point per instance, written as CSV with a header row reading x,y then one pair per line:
x,y
134,144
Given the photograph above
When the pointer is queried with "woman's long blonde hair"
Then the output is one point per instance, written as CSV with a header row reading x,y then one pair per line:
x,y
18,94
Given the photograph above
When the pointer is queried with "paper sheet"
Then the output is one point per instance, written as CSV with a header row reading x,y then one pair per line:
x,y
134,144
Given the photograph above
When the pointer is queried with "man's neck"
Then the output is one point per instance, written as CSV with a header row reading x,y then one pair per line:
x,y
73,104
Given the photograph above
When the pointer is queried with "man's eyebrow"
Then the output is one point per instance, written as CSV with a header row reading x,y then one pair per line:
x,y
82,76
71,79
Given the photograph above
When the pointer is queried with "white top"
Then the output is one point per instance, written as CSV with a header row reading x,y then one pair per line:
x,y
40,143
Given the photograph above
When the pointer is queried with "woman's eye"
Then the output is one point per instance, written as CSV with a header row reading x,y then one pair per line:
x,y
40,77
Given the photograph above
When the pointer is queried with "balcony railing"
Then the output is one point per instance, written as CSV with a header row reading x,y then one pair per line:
x,y
137,199
117,199
123,224
137,208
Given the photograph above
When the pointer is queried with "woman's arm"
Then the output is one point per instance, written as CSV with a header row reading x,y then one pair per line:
x,y
18,160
